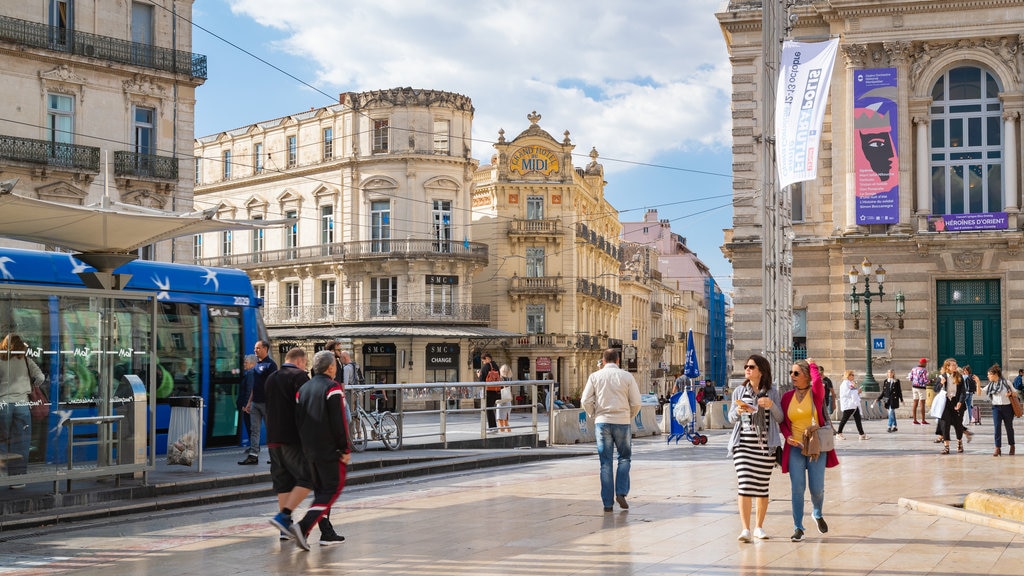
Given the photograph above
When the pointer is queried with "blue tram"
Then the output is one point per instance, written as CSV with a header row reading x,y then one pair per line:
x,y
206,320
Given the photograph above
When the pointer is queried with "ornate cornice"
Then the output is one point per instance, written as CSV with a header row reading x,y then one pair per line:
x,y
408,97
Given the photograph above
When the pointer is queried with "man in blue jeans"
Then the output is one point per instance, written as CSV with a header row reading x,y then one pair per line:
x,y
612,397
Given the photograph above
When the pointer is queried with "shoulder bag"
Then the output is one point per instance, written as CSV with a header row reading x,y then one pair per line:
x,y
938,404
1015,403
826,435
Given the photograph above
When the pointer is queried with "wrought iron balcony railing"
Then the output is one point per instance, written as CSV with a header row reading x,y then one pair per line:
x,y
37,35
50,153
362,250
388,312
145,165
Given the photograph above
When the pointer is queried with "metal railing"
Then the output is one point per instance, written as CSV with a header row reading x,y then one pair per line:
x,y
360,250
145,165
395,312
37,35
444,392
50,153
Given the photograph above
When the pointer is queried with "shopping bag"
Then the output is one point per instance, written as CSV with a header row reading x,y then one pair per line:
x,y
938,405
682,412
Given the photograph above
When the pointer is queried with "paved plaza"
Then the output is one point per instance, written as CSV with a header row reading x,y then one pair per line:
x,y
546,518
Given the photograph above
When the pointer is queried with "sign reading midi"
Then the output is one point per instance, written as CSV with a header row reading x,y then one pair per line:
x,y
801,98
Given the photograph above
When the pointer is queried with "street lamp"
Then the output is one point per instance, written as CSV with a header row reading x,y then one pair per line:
x,y
869,384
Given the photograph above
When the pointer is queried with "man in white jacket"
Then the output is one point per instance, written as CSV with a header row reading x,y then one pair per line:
x,y
612,397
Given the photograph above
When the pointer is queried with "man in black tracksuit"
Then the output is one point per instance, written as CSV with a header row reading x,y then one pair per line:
x,y
320,416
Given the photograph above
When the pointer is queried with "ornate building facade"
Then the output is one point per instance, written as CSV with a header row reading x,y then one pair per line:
x,y
100,86
919,173
377,249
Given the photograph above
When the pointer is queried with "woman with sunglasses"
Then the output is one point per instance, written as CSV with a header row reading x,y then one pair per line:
x,y
755,438
800,407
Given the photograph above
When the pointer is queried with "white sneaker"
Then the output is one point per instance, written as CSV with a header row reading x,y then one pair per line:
x,y
744,536
840,436
865,437
760,534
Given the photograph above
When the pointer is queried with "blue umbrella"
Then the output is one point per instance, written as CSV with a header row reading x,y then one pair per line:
x,y
691,369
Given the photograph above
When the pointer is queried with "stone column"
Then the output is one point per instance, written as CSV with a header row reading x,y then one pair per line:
x,y
855,55
1010,168
923,170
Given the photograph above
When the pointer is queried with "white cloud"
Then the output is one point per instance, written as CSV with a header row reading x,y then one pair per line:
x,y
634,79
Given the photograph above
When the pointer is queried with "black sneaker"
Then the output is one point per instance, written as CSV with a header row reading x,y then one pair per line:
x,y
822,526
331,539
249,460
797,536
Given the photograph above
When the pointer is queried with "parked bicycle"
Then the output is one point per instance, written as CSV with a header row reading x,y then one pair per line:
x,y
376,425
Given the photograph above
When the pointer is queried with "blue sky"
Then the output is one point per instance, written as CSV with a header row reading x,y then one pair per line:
x,y
646,83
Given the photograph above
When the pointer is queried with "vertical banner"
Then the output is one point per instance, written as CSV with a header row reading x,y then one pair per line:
x,y
806,71
876,161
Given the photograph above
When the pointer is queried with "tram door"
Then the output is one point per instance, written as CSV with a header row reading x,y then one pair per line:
x,y
968,323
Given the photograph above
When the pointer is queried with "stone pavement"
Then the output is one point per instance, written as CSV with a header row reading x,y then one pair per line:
x,y
888,505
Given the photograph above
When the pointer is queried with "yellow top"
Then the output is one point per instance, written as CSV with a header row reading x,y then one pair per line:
x,y
801,414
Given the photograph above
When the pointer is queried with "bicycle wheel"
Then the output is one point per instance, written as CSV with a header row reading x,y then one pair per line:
x,y
357,433
390,431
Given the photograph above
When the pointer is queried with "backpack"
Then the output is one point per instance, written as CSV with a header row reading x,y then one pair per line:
x,y
357,374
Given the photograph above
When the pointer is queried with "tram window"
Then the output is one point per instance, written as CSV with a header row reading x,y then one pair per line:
x,y
178,351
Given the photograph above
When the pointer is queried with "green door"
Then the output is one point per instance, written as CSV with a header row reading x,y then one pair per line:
x,y
968,323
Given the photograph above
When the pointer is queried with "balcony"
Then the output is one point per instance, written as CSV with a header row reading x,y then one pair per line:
x,y
70,156
131,164
535,285
389,313
541,341
364,250
36,35
588,288
522,229
657,308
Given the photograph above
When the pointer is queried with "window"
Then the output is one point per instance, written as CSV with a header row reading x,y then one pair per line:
x,y
142,34
441,299
293,152
380,226
291,299
441,128
796,191
442,224
326,224
225,242
60,126
145,127
383,296
535,262
534,207
257,158
199,170
197,247
227,164
147,252
327,296
380,135
291,233
967,143
261,291
534,318
61,24
258,242
328,143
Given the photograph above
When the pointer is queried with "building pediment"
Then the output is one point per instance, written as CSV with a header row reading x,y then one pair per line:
x,y
63,193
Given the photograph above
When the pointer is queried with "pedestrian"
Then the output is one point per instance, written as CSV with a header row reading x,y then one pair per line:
x,y
18,374
504,403
892,395
952,384
972,385
492,393
998,391
612,397
320,417
918,377
756,410
849,403
1018,382
802,406
830,391
289,470
256,407
244,392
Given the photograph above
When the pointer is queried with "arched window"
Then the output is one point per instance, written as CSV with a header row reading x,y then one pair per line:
x,y
967,143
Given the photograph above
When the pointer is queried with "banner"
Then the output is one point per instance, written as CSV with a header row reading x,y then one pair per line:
x,y
876,162
806,71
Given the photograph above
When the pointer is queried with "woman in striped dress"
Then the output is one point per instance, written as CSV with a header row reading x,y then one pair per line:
x,y
756,410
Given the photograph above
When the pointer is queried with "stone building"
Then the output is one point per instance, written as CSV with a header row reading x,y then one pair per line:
x,y
95,87
919,173
378,249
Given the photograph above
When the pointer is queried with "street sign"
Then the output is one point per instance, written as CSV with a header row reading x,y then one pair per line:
x,y
878,344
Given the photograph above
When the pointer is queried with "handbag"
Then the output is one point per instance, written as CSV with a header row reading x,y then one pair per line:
x,y
1015,404
506,393
938,405
826,436
39,404
811,445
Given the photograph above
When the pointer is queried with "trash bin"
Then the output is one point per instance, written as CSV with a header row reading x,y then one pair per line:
x,y
131,430
185,431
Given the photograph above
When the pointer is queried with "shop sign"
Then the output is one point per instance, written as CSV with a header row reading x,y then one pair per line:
x,y
442,355
379,348
544,364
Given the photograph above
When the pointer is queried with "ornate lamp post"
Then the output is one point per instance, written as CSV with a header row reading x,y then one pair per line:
x,y
869,384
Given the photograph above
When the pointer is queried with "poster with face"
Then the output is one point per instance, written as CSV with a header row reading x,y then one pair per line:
x,y
875,143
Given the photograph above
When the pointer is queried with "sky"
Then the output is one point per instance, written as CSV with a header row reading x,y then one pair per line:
x,y
646,83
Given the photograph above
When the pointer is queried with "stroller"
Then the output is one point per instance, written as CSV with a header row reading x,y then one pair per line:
x,y
689,431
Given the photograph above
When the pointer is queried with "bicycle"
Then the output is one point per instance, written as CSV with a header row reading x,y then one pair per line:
x,y
383,426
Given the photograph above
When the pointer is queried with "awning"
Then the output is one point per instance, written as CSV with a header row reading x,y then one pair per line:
x,y
441,331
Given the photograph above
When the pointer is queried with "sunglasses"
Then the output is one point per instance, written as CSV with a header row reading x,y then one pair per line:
x,y
750,367
796,373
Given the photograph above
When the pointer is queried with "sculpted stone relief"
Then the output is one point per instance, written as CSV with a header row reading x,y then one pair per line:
x,y
1006,48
